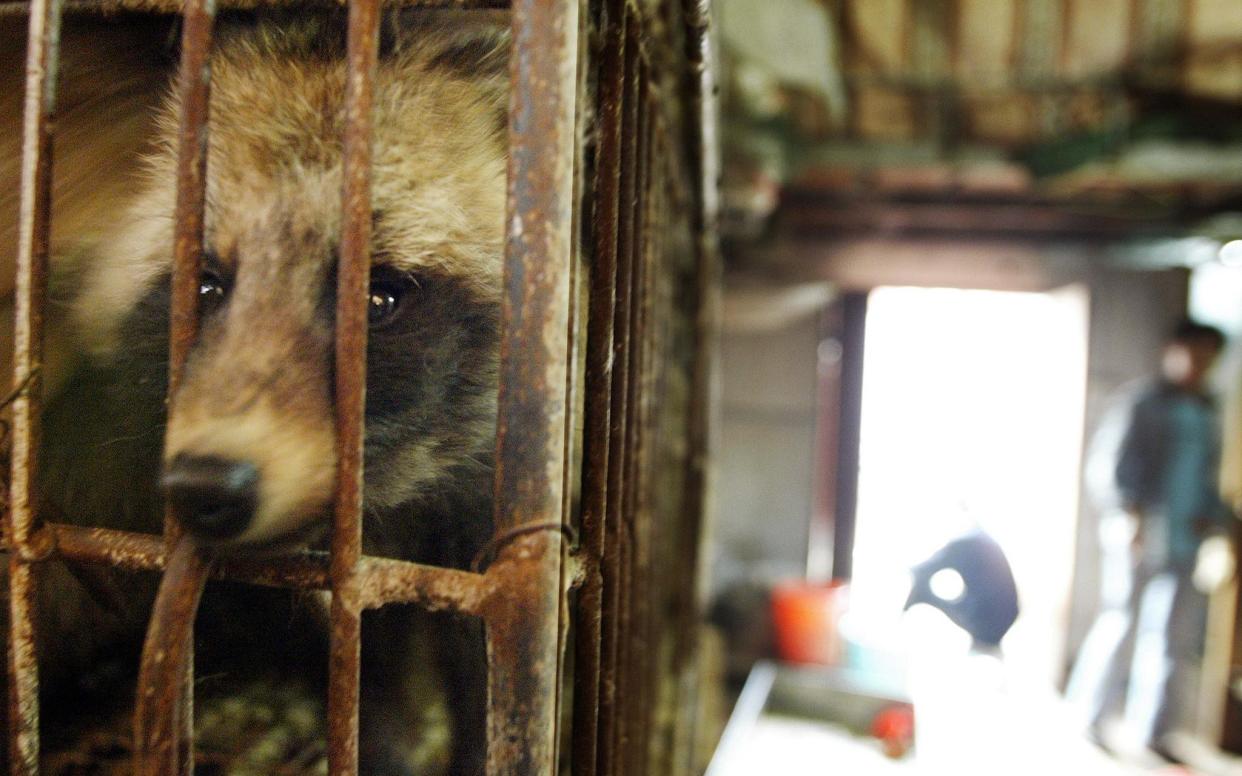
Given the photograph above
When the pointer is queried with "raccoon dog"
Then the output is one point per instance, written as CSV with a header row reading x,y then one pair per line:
x,y
249,461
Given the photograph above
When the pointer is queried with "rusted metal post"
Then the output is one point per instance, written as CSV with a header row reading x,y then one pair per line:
x,y
521,596
613,567
704,160
639,631
353,278
599,395
628,616
194,84
523,610
32,259
160,746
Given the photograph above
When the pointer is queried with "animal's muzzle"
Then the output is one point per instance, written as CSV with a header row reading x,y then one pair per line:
x,y
212,497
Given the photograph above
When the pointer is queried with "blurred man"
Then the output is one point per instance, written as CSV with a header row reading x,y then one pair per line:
x,y
1161,452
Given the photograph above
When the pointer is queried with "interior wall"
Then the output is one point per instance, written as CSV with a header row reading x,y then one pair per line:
x,y
767,433
766,452
1130,313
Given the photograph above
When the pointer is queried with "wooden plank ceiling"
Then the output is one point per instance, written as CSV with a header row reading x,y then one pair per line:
x,y
1131,106
1013,71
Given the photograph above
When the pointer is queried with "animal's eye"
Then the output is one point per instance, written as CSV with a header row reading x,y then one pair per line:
x,y
387,297
383,305
212,289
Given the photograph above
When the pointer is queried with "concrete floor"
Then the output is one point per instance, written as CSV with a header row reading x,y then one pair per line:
x,y
971,719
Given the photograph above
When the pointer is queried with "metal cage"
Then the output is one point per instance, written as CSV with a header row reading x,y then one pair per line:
x,y
610,268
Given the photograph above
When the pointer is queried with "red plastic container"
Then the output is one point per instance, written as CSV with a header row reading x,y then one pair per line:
x,y
805,616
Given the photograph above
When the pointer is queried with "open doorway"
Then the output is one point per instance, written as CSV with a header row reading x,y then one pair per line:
x,y
972,416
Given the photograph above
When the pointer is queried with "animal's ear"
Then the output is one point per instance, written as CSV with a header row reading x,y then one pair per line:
x,y
473,45
470,46
477,53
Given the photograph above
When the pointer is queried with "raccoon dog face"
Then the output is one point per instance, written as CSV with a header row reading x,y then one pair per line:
x,y
250,452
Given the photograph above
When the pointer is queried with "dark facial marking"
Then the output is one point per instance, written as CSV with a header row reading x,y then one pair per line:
x,y
214,285
430,361
111,414
481,54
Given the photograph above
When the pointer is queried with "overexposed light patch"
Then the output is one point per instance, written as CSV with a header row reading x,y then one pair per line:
x,y
795,746
947,585
972,417
1231,253
1214,293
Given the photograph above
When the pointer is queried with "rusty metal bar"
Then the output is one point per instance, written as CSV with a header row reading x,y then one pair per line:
x,y
381,581
175,6
641,642
611,571
32,256
662,560
194,91
630,599
520,597
353,278
574,563
632,602
624,551
119,549
535,312
32,265
599,394
522,612
665,555
385,581
194,86
160,744
23,700
146,552
704,165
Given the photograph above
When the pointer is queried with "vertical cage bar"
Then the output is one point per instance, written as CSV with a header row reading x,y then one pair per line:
x,y
23,671
353,278
644,646
612,569
665,555
525,579
195,93
194,83
32,259
688,600
599,397
163,742
632,603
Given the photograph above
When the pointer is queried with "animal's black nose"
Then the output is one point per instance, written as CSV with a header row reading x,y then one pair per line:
x,y
212,497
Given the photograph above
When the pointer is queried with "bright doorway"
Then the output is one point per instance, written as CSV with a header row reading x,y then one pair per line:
x,y
972,415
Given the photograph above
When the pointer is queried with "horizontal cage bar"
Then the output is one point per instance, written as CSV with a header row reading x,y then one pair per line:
x,y
381,581
519,597
21,7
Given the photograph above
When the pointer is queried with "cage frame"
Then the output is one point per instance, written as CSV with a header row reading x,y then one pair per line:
x,y
522,595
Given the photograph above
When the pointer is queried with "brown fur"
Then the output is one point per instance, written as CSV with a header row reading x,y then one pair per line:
x,y
110,81
258,381
274,204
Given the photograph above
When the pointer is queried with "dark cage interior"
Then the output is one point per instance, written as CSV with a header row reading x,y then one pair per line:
x,y
579,582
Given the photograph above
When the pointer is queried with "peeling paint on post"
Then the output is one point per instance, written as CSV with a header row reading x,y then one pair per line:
x,y
35,226
522,612
353,278
520,596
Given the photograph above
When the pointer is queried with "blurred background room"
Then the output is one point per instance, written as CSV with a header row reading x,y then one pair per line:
x,y
959,234
976,459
